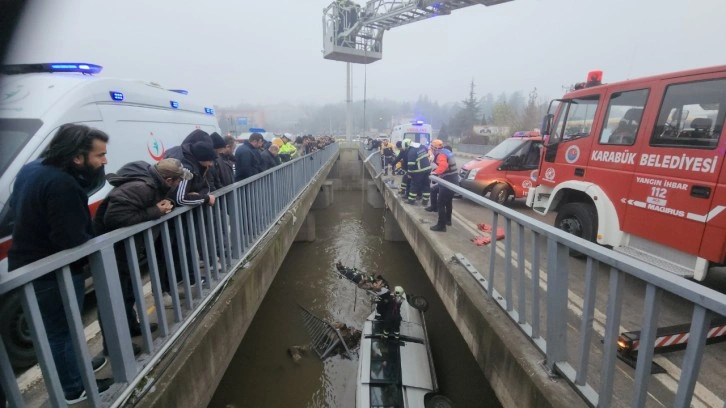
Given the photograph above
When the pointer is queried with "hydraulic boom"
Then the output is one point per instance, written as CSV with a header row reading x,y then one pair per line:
x,y
352,33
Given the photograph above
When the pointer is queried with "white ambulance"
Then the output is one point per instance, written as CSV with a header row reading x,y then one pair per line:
x,y
142,119
416,131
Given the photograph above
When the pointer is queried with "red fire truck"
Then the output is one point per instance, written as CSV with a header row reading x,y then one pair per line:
x,y
638,165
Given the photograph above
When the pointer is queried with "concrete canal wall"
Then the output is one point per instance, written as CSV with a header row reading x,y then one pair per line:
x,y
189,375
511,363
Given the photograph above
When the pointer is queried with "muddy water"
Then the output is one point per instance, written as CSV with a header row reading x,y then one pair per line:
x,y
263,375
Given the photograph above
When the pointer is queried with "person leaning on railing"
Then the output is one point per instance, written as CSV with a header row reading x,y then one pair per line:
x,y
139,195
50,201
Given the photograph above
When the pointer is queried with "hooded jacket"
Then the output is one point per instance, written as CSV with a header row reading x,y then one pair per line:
x,y
196,190
138,187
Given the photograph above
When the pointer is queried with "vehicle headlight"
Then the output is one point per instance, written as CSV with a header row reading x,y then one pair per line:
x,y
472,174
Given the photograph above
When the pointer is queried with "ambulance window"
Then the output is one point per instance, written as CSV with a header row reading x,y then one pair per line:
x,y
691,115
623,118
575,119
14,135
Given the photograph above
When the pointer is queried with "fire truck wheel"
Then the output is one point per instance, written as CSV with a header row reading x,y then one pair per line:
x,y
499,193
578,219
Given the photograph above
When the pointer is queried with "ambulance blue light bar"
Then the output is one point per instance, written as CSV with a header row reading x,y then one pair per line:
x,y
181,91
79,67
209,111
116,96
174,104
76,67
417,122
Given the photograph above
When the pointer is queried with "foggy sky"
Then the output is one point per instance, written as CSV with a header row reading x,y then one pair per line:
x,y
267,51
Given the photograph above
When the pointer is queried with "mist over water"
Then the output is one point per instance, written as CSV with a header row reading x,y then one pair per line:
x,y
262,374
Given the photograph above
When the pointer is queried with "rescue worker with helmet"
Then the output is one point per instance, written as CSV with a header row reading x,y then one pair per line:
x,y
419,167
288,150
447,170
389,309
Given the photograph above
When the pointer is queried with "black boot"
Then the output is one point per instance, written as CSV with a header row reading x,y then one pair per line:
x,y
431,209
438,227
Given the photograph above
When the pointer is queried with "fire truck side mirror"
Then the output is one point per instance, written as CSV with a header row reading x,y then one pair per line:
x,y
546,127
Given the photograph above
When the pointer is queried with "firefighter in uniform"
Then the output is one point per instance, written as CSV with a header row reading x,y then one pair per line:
x,y
405,179
445,169
419,167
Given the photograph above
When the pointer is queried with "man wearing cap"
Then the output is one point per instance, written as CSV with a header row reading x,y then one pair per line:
x,y
248,160
139,195
287,150
197,157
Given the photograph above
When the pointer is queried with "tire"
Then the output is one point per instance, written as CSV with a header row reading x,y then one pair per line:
x,y
500,193
419,303
578,219
438,401
15,333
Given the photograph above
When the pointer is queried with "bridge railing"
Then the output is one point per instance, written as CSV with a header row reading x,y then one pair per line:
x,y
204,245
525,276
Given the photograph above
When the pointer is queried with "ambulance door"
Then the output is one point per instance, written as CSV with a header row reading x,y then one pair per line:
x,y
673,189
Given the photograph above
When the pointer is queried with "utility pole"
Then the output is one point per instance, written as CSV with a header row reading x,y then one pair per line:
x,y
349,104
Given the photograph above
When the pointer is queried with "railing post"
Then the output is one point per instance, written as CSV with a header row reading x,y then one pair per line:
x,y
557,271
113,314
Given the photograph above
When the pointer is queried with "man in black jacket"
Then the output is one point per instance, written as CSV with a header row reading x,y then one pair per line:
x,y
50,200
197,157
248,160
223,169
139,195
271,157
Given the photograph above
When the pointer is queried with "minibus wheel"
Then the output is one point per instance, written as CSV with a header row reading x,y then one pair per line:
x,y
578,219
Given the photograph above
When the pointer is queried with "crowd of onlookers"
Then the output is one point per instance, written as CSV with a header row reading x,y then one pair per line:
x,y
50,204
255,154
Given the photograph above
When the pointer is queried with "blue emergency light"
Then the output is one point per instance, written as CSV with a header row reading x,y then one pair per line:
x,y
174,104
80,67
257,130
417,123
209,111
76,67
181,91
116,96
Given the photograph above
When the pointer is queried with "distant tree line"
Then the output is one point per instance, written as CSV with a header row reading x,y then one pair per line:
x,y
452,120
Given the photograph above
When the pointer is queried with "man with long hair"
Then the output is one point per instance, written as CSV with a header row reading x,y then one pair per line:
x,y
50,201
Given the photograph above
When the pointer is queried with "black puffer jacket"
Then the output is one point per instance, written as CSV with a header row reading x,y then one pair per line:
x,y
137,189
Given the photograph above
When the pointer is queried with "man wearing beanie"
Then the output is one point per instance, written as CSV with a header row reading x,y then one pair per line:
x,y
248,160
197,157
223,174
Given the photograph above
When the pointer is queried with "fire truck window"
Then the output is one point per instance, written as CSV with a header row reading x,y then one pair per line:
x,y
624,114
575,119
691,115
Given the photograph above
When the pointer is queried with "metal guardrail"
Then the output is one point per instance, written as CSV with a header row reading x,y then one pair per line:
x,y
223,235
324,338
521,286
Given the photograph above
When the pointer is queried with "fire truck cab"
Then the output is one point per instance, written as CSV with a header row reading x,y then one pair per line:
x,y
638,165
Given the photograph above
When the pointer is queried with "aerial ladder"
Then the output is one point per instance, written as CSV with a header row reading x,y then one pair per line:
x,y
354,34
